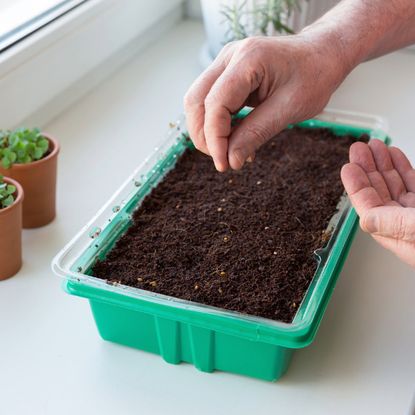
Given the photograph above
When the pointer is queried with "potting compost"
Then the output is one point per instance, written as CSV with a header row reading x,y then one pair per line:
x,y
241,240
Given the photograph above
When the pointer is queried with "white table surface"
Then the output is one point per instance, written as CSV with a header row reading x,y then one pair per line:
x,y
52,360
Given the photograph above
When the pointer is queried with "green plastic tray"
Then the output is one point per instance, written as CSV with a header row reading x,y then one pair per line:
x,y
183,331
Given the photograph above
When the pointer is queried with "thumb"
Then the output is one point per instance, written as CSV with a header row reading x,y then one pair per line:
x,y
263,123
394,222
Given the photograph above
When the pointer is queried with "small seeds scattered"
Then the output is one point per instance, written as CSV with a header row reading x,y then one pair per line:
x,y
226,239
220,209
178,206
325,236
139,279
266,227
275,252
230,181
222,274
153,283
196,287
223,200
258,182
220,290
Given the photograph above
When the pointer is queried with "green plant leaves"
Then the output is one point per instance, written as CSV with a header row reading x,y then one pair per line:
x,y
244,20
22,145
7,192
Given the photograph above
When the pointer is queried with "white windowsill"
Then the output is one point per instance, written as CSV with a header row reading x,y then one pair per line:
x,y
43,74
52,359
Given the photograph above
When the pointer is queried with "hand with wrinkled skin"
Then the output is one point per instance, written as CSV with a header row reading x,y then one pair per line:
x,y
281,77
380,182
288,78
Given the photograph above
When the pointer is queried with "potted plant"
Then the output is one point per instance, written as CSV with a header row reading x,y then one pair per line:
x,y
227,20
30,157
11,198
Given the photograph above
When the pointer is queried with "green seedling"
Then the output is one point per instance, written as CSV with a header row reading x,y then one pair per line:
x,y
22,146
6,193
245,20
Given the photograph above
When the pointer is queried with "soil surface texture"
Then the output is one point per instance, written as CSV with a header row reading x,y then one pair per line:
x,y
241,240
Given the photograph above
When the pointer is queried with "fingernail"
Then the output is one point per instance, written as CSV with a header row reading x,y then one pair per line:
x,y
240,156
371,223
219,167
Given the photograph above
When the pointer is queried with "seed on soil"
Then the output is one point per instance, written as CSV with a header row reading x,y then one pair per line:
x,y
223,200
153,283
139,279
325,236
220,290
155,245
266,228
226,239
220,209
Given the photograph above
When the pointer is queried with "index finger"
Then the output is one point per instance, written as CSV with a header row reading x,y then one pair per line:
x,y
194,105
361,192
227,95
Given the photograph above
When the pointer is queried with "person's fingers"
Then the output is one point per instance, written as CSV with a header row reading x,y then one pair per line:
x,y
362,194
227,95
194,100
194,104
404,167
407,199
361,155
264,122
393,222
385,166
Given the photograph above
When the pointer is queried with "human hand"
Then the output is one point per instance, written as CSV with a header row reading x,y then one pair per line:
x,y
287,79
380,182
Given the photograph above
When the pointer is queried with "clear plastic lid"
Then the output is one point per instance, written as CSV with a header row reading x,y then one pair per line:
x,y
97,237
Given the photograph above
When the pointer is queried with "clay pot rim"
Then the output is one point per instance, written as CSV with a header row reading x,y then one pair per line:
x,y
52,154
19,198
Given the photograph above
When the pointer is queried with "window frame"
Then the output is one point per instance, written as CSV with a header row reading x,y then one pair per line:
x,y
37,22
46,72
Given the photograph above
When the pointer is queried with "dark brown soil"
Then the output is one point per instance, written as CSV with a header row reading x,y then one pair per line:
x,y
242,240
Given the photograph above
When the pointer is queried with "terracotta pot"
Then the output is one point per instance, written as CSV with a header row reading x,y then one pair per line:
x,y
38,180
11,234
